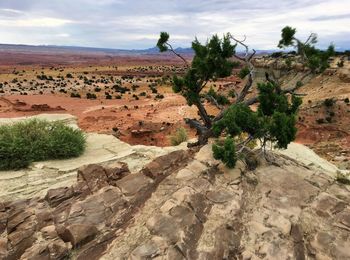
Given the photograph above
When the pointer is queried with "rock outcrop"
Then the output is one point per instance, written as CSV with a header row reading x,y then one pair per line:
x,y
184,205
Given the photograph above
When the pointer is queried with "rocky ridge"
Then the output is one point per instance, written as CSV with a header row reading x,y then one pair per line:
x,y
184,205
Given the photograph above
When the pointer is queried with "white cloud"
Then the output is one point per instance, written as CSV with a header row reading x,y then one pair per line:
x,y
137,23
34,22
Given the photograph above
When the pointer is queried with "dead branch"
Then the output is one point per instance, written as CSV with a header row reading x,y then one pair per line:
x,y
177,54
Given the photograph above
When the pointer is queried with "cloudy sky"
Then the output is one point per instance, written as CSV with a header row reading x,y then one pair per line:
x,y
136,24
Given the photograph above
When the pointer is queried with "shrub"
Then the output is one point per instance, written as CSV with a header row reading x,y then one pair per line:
x,y
36,140
328,102
179,137
90,96
346,100
340,64
320,120
243,72
75,95
226,152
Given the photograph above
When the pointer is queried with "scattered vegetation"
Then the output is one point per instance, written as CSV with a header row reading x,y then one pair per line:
x,y
341,178
329,102
179,137
36,140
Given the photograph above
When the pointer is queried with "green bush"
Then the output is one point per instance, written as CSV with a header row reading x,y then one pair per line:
x,y
328,102
243,72
36,140
226,152
179,137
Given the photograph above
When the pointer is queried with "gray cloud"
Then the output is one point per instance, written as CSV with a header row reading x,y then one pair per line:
x,y
136,24
330,17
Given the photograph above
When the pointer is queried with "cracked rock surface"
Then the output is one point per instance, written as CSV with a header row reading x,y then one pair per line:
x,y
183,205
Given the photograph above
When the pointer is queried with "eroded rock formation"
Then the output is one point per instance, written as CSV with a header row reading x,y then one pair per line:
x,y
184,205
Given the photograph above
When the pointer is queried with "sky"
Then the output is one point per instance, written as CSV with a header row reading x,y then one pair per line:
x,y
135,24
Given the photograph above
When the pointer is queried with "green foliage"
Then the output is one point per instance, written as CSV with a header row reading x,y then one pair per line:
x,y
226,152
329,102
315,59
282,129
179,137
163,39
36,140
221,99
287,37
237,119
243,72
274,120
211,61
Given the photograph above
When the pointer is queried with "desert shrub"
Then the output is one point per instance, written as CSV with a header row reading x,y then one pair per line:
x,y
276,54
179,137
346,100
90,96
299,84
320,121
75,95
36,140
159,96
340,64
328,102
243,72
226,152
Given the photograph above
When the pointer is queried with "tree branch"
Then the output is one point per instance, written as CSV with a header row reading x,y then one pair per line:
x,y
177,54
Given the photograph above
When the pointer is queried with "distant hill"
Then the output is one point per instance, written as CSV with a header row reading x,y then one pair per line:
x,y
82,50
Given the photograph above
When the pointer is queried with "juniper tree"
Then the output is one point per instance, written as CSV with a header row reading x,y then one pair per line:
x,y
273,121
315,59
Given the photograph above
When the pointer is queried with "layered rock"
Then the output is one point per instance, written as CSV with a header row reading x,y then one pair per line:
x,y
184,206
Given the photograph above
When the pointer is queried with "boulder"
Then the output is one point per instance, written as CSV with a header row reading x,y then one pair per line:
x,y
133,184
78,234
94,176
56,196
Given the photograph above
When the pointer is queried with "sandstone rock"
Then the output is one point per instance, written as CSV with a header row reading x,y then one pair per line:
x,y
205,155
165,227
49,232
133,183
54,250
56,196
94,176
279,221
37,251
116,171
185,174
145,251
3,248
157,167
43,217
220,196
58,249
3,221
196,167
79,234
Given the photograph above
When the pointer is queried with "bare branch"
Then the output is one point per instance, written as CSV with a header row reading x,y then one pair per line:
x,y
214,101
177,54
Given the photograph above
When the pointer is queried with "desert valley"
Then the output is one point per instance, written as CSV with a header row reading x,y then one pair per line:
x,y
237,147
